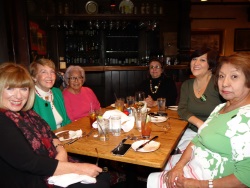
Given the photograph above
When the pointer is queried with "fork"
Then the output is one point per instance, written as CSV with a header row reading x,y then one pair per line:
x,y
104,169
97,159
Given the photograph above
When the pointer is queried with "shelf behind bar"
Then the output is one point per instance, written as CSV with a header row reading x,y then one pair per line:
x,y
101,16
128,68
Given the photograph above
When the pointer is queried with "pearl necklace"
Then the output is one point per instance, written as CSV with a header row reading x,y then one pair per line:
x,y
156,87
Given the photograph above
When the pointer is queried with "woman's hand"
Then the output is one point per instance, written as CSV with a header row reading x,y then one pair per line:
x,y
172,176
89,169
150,102
183,182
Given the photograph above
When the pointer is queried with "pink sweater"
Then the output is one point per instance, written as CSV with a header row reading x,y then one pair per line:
x,y
78,105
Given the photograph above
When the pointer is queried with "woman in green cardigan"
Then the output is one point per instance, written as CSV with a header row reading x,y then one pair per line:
x,y
49,103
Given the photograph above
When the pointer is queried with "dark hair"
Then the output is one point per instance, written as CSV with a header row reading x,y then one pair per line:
x,y
212,57
240,61
157,60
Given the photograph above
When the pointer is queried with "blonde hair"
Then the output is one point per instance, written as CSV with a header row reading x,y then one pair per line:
x,y
16,76
44,62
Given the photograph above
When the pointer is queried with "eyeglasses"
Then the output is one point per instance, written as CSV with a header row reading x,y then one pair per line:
x,y
155,67
72,79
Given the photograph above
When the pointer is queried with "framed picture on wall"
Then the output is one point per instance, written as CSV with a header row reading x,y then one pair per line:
x,y
242,39
211,38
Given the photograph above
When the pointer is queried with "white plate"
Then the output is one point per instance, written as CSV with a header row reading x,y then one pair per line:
x,y
72,134
158,119
173,108
151,146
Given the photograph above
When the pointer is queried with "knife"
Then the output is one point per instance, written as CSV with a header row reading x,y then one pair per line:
x,y
141,146
90,132
120,144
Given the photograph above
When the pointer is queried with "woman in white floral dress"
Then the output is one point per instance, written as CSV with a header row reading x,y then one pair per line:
x,y
219,156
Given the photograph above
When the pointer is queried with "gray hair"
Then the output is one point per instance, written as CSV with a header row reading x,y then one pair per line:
x,y
73,68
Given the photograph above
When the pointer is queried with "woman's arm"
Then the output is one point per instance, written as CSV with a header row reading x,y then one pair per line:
x,y
183,111
177,171
61,152
195,121
78,168
150,102
227,182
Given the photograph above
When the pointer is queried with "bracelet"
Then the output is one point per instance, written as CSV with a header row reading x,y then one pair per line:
x,y
210,184
59,145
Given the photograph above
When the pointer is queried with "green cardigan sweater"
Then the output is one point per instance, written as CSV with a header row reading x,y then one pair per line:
x,y
46,112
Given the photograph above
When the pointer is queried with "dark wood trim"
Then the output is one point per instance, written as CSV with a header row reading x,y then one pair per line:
x,y
129,68
220,3
18,35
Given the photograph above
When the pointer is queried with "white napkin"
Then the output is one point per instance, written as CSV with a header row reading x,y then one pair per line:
x,y
73,135
127,122
68,179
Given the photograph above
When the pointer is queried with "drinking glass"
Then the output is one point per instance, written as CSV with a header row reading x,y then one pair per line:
x,y
119,104
161,102
139,96
130,101
140,117
146,127
103,128
92,117
116,125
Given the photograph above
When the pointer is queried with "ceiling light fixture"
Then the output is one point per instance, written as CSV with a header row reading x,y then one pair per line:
x,y
203,0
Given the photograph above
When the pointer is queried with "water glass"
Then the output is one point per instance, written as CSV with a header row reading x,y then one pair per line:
x,y
161,102
146,128
116,125
130,101
103,128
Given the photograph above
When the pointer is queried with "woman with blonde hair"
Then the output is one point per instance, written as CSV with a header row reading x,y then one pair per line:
x,y
49,103
30,152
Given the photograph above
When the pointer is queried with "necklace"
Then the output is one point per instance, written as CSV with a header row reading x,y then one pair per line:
x,y
47,98
156,87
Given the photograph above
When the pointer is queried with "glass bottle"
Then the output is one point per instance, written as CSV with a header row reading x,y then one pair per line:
x,y
147,8
142,8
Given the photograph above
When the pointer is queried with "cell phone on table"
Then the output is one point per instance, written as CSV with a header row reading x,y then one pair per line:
x,y
121,150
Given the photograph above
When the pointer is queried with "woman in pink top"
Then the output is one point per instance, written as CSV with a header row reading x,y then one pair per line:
x,y
79,100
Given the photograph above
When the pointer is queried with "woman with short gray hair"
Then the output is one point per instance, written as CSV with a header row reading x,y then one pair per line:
x,y
79,100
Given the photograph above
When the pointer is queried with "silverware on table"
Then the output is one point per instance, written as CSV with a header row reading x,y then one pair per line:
x,y
90,132
72,141
120,144
141,146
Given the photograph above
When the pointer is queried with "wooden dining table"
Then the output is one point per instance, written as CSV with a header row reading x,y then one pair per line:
x,y
168,132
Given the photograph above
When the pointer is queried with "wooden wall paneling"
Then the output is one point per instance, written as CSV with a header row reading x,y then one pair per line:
x,y
123,84
96,81
109,91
